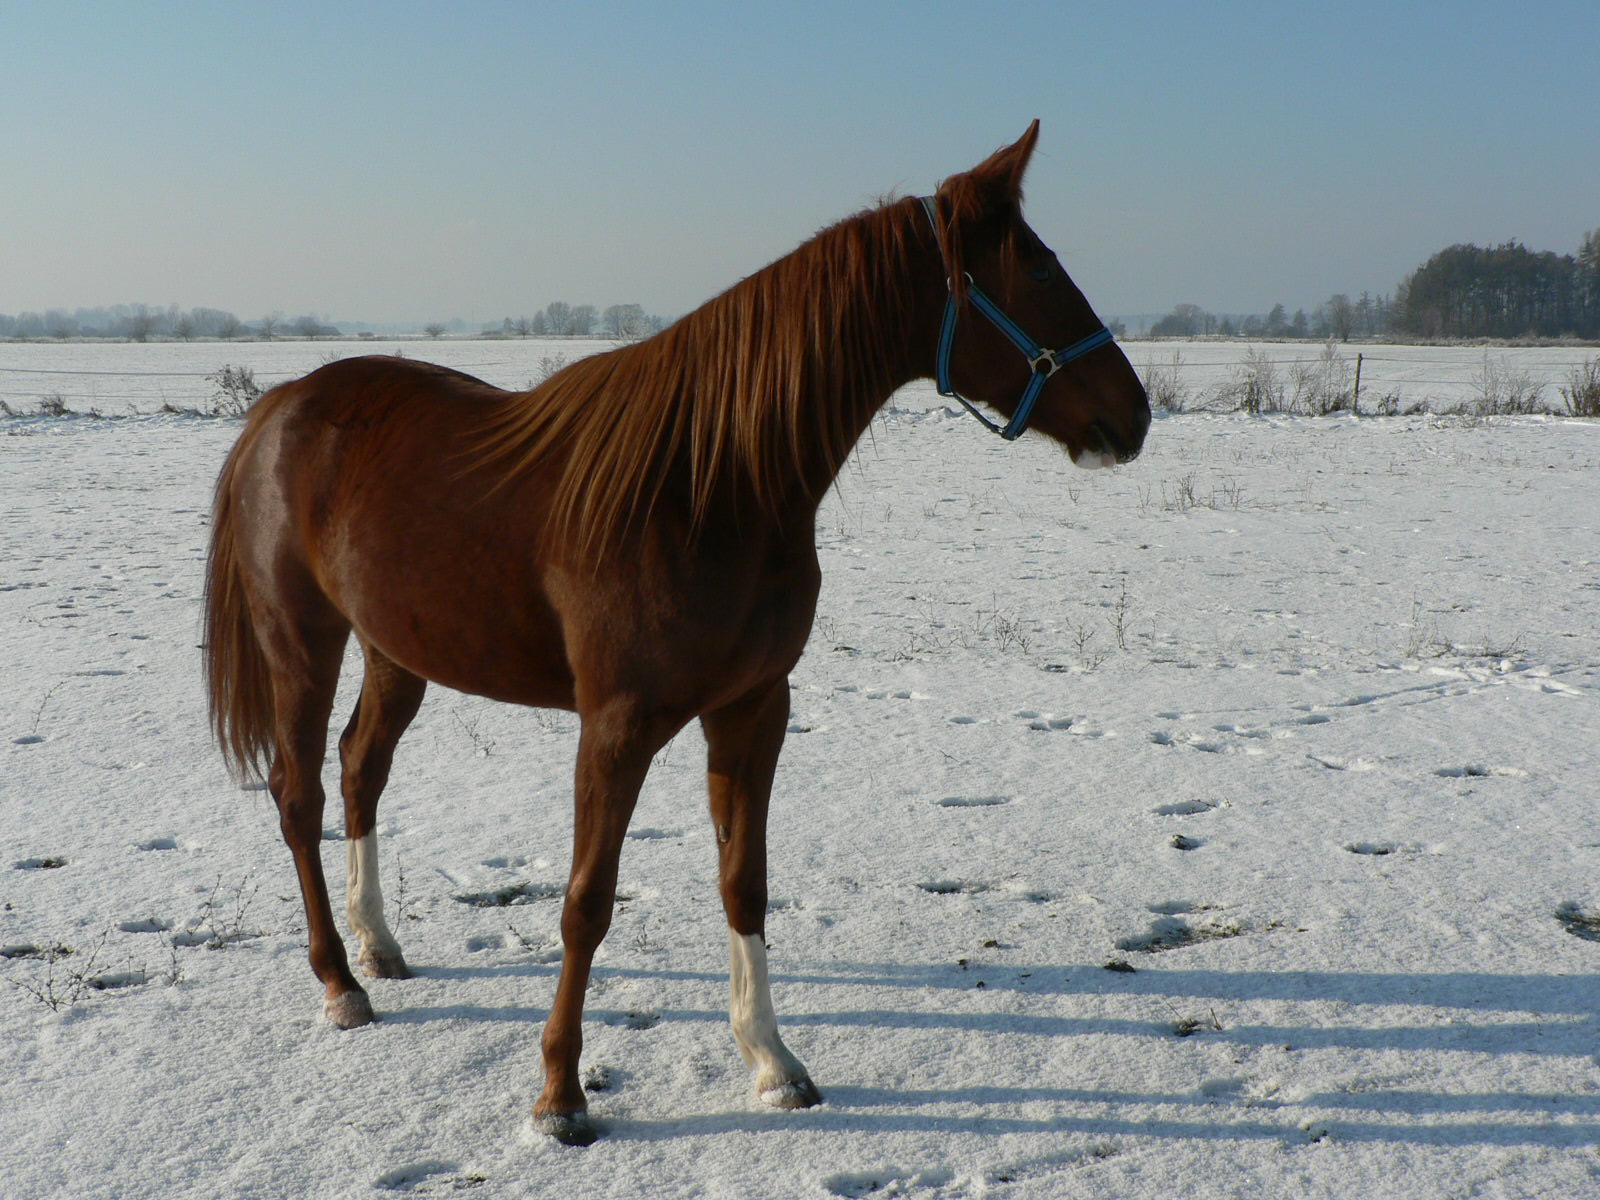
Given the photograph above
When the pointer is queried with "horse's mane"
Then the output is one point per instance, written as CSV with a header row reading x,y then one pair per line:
x,y
754,389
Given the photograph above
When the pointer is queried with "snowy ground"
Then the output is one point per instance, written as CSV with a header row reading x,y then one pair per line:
x,y
1351,665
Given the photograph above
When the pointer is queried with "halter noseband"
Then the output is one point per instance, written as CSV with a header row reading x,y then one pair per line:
x,y
1043,363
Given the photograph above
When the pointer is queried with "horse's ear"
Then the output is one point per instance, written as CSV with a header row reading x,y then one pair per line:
x,y
1000,175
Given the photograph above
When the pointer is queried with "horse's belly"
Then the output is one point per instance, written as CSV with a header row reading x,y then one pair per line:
x,y
459,616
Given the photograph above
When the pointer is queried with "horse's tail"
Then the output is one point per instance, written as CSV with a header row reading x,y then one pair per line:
x,y
238,684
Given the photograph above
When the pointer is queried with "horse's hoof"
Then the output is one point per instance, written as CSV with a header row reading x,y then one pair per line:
x,y
385,966
793,1093
570,1129
351,1010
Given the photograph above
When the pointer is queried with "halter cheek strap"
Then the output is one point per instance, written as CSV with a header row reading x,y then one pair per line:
x,y
1042,362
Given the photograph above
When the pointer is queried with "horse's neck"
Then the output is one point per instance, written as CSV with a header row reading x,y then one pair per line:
x,y
898,303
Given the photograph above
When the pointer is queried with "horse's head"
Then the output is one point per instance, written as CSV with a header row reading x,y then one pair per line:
x,y
1019,335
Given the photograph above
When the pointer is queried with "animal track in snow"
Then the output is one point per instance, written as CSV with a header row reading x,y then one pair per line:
x,y
889,1181
1481,771
1184,808
1171,931
972,801
511,894
146,925
1198,741
1578,923
953,887
47,863
636,1018
160,843
428,1177
1333,763
1376,849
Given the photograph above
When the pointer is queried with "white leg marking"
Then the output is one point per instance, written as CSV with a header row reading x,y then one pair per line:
x,y
780,1079
364,900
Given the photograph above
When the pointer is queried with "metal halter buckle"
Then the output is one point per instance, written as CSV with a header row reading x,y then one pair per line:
x,y
1046,364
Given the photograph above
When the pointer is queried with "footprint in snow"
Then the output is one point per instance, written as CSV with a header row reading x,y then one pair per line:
x,y
1184,808
888,1181
1579,924
953,887
1045,723
635,1018
1172,930
48,863
145,925
426,1177
1376,849
1356,765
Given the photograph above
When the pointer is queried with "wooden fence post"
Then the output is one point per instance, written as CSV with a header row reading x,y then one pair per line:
x,y
1355,394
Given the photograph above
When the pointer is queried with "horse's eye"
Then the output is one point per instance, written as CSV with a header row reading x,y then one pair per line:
x,y
1042,274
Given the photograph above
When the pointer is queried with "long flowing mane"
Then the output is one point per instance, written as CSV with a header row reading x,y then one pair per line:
x,y
753,388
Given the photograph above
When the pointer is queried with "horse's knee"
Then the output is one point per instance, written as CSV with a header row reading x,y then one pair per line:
x,y
586,915
744,900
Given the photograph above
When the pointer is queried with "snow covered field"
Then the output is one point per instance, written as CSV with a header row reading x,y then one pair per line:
x,y
1294,717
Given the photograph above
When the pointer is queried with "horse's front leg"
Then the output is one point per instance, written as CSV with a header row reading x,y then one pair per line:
x,y
614,753
743,741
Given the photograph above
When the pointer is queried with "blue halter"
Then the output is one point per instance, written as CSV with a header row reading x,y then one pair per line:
x,y
1043,363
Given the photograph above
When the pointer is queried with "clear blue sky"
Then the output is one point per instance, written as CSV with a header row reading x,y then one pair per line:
x,y
411,161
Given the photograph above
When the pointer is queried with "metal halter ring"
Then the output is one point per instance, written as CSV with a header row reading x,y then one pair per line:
x,y
1046,364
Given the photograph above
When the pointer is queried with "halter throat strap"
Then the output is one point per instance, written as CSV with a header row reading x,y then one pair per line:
x,y
1042,362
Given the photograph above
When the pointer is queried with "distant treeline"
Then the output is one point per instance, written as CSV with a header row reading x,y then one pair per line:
x,y
1466,291
143,323
1338,317
560,319
1505,291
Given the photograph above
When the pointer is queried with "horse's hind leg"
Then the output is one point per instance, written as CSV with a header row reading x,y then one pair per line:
x,y
743,741
390,697
303,639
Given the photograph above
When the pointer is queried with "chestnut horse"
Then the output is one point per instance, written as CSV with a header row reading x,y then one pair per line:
x,y
632,540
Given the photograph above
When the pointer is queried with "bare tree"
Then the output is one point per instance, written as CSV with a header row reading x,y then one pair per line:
x,y
1341,316
625,321
433,329
558,316
141,324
